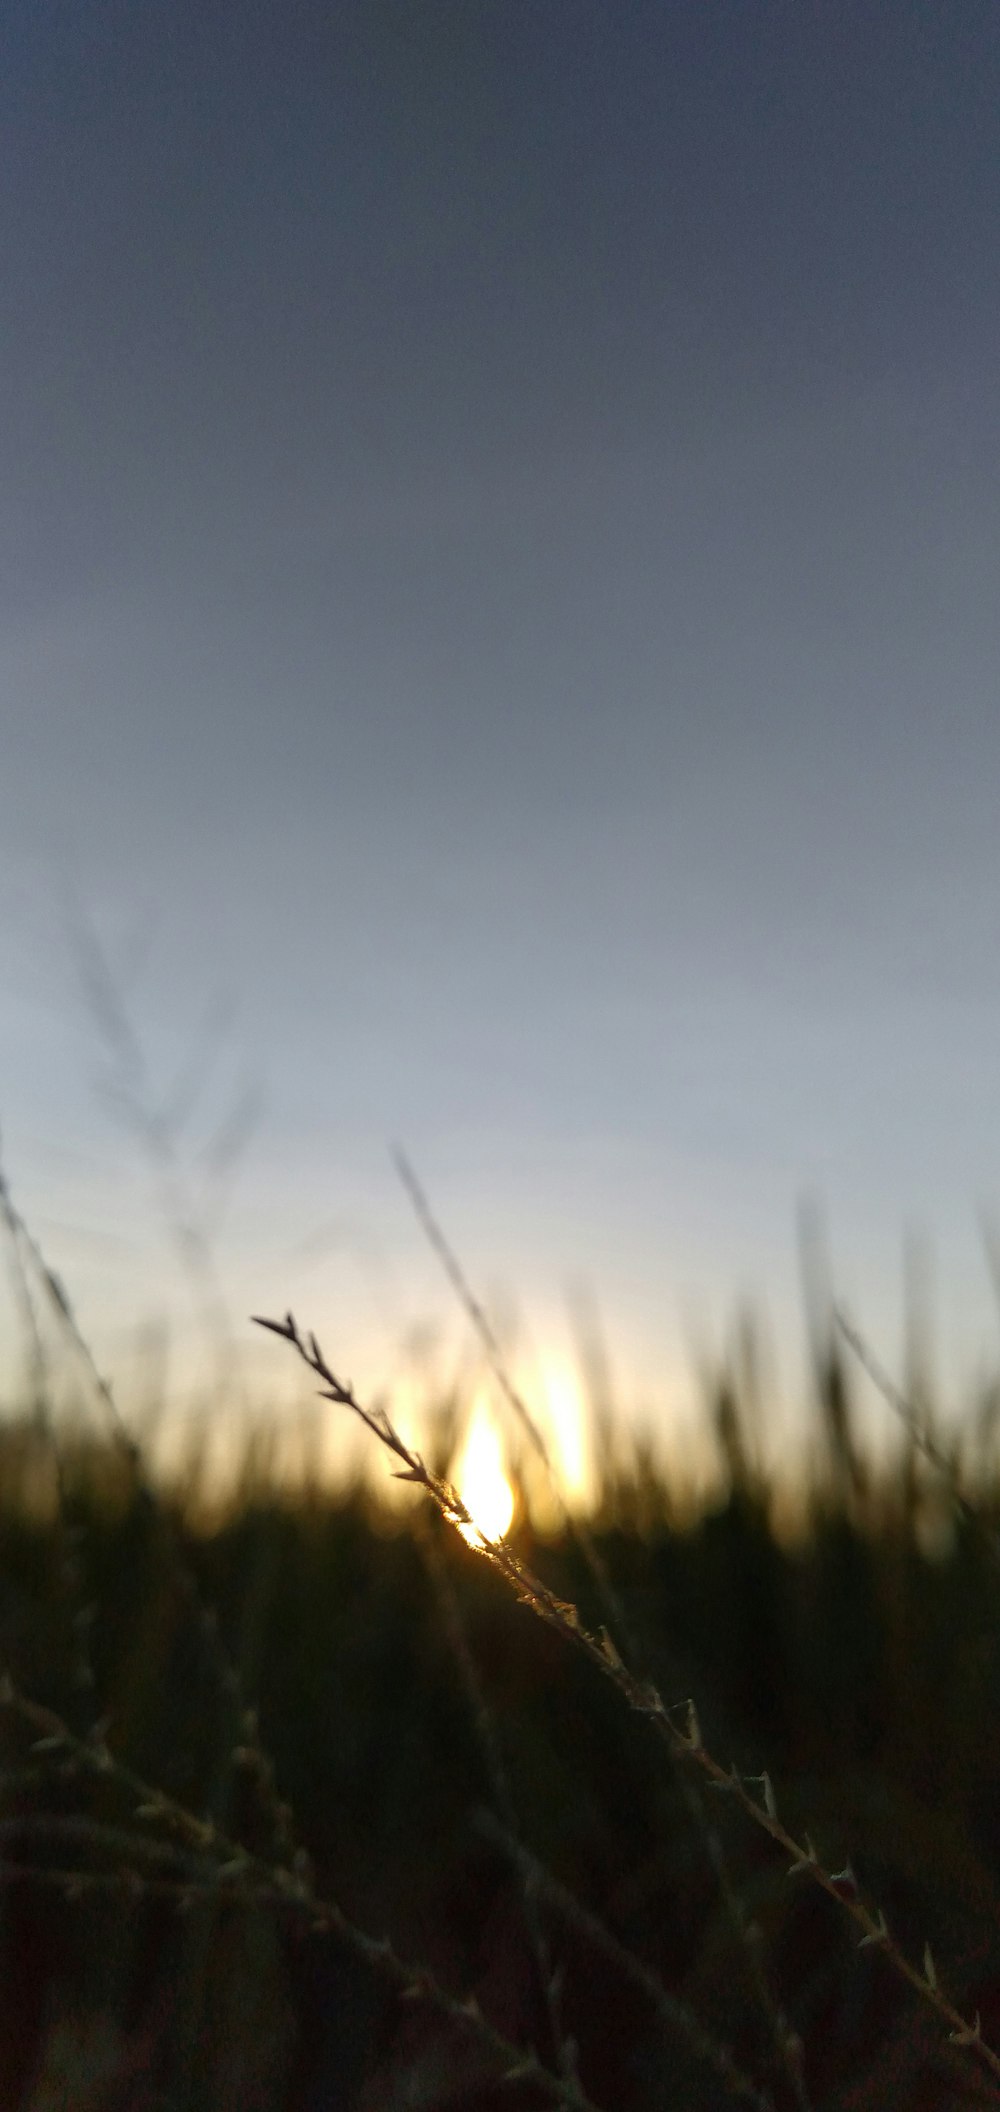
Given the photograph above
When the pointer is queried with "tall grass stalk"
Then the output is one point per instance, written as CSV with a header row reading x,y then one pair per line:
x,y
683,1739
786,2043
228,1873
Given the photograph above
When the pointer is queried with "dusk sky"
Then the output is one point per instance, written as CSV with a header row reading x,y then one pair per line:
x,y
501,537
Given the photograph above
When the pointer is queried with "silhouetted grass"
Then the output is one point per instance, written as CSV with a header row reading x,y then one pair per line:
x,y
240,1752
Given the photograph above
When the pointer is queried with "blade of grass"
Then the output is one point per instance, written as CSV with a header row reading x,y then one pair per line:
x,y
642,1697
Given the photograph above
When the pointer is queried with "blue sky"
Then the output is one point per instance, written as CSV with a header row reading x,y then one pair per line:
x,y
499,521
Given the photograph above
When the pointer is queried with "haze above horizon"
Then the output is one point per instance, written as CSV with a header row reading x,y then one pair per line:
x,y
501,529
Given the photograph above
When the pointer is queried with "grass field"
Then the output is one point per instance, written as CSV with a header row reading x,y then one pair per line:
x,y
313,1804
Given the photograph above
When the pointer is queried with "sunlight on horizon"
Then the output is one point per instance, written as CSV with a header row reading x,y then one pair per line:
x,y
481,1480
569,1447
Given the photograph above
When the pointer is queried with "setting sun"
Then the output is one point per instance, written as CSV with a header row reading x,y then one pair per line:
x,y
568,1439
481,1481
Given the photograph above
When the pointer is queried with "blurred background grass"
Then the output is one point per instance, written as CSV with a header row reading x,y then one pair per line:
x,y
848,1641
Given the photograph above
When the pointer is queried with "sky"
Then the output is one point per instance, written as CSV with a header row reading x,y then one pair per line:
x,y
500,522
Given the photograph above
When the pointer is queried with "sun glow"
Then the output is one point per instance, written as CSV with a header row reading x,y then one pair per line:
x,y
568,1441
481,1481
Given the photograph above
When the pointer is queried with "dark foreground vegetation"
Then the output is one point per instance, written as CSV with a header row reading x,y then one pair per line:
x,y
238,1755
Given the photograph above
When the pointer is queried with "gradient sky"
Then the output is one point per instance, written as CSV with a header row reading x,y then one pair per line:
x,y
500,523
